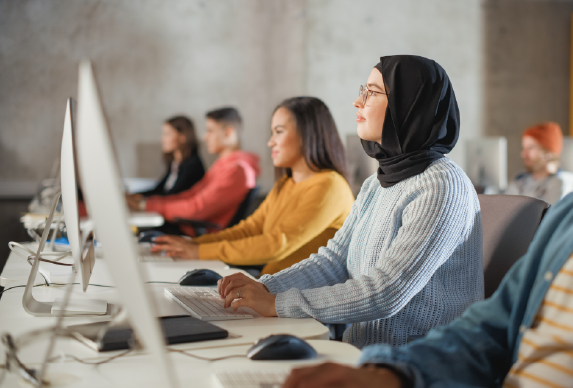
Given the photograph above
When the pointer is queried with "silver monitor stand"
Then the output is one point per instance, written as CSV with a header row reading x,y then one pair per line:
x,y
45,309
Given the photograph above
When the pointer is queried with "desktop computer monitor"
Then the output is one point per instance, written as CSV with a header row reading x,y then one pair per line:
x,y
106,204
566,157
82,249
81,245
486,163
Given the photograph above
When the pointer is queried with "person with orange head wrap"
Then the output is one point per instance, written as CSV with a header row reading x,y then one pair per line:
x,y
541,147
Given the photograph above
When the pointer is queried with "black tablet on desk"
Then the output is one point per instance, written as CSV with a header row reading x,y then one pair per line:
x,y
177,329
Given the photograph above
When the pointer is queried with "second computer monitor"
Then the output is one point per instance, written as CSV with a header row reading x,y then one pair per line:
x,y
486,163
80,245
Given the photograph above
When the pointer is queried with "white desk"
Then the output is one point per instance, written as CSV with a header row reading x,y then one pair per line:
x,y
16,321
138,219
139,370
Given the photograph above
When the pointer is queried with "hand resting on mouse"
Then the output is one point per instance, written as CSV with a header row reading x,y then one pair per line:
x,y
176,246
239,290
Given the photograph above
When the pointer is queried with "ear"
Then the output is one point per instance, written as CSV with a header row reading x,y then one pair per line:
x,y
229,129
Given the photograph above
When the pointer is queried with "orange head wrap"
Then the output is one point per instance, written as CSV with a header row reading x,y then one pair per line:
x,y
548,134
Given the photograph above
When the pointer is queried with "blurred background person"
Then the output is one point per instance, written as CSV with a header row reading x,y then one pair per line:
x,y
216,197
180,151
308,204
541,146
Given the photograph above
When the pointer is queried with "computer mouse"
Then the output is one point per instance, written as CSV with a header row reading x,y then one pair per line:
x,y
200,277
148,236
281,347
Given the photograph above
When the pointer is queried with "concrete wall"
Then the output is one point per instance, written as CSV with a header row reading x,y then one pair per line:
x,y
346,39
527,48
154,59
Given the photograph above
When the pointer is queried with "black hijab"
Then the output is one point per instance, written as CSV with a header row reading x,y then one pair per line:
x,y
422,120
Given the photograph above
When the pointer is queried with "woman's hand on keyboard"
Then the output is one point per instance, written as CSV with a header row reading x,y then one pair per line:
x,y
239,290
176,246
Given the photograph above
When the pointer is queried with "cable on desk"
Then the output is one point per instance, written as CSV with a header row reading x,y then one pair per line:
x,y
206,358
23,285
56,284
32,255
63,356
65,284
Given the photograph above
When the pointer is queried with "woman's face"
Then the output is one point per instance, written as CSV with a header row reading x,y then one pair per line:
x,y
285,142
370,117
171,140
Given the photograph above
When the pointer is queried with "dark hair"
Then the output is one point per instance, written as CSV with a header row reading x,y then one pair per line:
x,y
321,145
183,125
227,115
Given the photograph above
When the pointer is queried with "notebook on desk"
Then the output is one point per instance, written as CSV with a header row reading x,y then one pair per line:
x,y
177,329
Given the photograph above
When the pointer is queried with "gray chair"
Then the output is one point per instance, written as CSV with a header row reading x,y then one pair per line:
x,y
509,223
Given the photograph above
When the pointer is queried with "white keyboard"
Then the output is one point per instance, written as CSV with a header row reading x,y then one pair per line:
x,y
155,258
251,379
204,303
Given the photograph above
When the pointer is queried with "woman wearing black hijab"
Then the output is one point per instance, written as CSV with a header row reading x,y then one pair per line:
x,y
409,255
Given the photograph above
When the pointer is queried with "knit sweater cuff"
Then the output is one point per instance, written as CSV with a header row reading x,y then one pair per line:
x,y
280,305
271,283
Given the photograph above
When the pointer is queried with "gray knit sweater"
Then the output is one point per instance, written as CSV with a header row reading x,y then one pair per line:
x,y
408,258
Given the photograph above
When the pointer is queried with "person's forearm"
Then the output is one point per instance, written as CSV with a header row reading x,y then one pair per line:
x,y
253,250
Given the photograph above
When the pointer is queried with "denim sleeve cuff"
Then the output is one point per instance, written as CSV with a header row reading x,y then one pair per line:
x,y
382,356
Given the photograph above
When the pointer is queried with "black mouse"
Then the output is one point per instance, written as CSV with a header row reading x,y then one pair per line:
x,y
281,347
148,236
200,277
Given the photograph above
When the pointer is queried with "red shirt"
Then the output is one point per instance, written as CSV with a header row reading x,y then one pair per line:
x,y
216,197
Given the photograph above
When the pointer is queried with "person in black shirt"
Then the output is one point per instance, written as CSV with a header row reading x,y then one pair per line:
x,y
184,167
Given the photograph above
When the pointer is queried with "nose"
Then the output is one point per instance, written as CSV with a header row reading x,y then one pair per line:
x,y
358,103
271,142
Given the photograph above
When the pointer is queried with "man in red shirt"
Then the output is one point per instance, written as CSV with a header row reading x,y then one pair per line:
x,y
217,196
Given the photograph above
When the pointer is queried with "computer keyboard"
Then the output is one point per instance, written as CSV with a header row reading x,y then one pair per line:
x,y
251,379
204,303
146,255
155,258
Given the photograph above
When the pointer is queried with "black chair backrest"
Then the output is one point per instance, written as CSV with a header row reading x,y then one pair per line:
x,y
509,223
241,213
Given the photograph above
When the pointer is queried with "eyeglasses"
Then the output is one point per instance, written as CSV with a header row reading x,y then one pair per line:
x,y
364,93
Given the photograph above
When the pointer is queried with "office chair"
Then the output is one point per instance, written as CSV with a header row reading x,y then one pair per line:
x,y
242,212
509,223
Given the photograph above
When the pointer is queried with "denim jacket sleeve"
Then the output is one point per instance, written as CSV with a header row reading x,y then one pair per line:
x,y
478,349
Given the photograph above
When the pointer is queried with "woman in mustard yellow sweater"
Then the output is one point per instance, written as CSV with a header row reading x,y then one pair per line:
x,y
307,205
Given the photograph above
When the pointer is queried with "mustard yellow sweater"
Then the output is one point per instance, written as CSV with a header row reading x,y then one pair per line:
x,y
288,227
